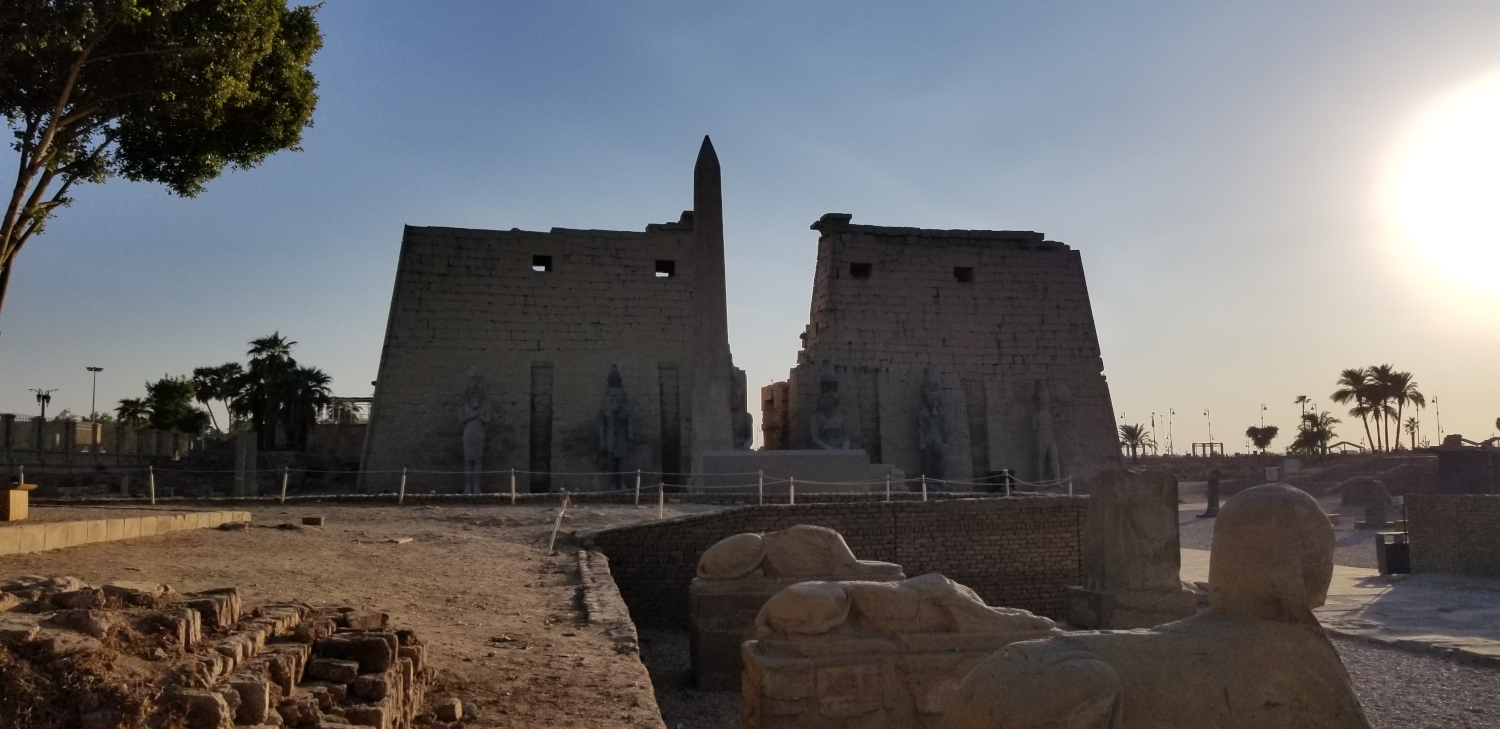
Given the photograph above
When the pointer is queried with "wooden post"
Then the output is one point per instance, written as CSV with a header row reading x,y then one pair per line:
x,y
887,485
762,488
557,525
924,487
284,471
512,487
791,490
661,500
151,476
637,487
1070,485
401,497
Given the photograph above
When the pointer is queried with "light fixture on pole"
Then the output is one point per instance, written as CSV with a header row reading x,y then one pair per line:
x,y
1262,415
1210,419
93,394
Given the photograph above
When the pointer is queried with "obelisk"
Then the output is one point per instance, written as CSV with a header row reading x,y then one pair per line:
x,y
711,362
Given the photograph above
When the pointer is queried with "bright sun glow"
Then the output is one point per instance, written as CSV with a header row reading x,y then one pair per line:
x,y
1446,191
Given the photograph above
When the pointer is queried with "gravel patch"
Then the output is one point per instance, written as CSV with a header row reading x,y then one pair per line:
x,y
666,655
1404,690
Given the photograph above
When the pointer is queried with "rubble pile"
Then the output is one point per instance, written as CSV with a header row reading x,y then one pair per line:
x,y
131,654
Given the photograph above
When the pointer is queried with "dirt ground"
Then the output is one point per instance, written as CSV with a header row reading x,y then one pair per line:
x,y
501,617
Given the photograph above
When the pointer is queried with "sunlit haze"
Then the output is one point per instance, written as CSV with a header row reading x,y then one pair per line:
x,y
1263,193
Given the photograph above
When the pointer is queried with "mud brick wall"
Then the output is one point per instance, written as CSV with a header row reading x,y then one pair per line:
x,y
993,314
1454,533
1016,552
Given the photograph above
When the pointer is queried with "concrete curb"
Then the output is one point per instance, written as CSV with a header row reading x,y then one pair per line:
x,y
45,536
1454,653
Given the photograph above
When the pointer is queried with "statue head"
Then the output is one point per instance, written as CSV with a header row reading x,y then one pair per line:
x,y
474,391
1272,555
614,393
738,389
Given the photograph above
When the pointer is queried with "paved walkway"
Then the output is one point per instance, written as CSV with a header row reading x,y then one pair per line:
x,y
1437,613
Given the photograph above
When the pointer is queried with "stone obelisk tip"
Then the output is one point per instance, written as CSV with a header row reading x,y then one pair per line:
x,y
707,158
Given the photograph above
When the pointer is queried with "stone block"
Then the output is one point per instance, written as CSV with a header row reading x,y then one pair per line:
x,y
221,608
365,620
10,540
369,715
334,670
148,525
371,686
33,538
95,531
114,529
17,629
204,709
131,528
417,654
312,520
134,594
448,709
308,631
255,698
375,652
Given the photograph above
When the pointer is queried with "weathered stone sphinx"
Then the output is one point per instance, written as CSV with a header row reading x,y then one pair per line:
x,y
740,573
1257,659
871,654
1131,555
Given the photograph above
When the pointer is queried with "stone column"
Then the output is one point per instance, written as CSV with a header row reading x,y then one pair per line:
x,y
244,464
711,362
119,442
69,438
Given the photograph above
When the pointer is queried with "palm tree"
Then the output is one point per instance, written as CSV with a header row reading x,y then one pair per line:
x,y
1413,428
1385,378
218,383
343,411
133,411
1303,401
1135,438
1404,392
1355,385
263,391
308,394
1315,432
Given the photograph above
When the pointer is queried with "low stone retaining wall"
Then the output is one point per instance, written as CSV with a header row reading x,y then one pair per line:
x,y
1454,533
43,536
1020,552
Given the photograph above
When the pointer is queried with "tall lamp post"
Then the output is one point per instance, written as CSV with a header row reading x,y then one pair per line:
x,y
1439,409
42,398
1210,419
1171,447
93,409
1262,415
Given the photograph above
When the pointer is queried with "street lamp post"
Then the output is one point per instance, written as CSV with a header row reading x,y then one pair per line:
x,y
93,409
1262,415
1171,447
1210,419
1439,410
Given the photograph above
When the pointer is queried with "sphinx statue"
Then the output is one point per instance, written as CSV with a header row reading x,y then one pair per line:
x,y
474,416
615,429
1256,659
932,430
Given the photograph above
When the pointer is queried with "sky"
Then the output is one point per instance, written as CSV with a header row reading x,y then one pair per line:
x,y
1263,193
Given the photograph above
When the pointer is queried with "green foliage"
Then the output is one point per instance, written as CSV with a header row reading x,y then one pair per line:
x,y
1136,438
1262,436
1315,433
169,91
170,402
133,411
1379,395
277,394
218,383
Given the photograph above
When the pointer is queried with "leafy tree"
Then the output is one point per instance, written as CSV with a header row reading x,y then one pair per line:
x,y
220,383
343,411
133,411
1413,429
1262,436
1303,401
1355,385
308,394
170,401
64,414
169,91
1135,438
1315,432
1403,391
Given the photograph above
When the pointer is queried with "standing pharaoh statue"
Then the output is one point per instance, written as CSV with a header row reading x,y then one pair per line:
x,y
740,420
1048,467
474,415
828,432
614,429
932,430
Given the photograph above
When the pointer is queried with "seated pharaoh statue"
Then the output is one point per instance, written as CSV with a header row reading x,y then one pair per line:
x,y
1256,659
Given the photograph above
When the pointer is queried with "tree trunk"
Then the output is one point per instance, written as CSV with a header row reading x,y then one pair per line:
x,y
1368,437
5,281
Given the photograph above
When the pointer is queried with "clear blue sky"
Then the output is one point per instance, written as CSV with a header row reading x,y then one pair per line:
x,y
1221,166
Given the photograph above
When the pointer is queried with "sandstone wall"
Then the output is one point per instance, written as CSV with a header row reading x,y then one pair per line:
x,y
1018,552
544,342
993,313
1451,533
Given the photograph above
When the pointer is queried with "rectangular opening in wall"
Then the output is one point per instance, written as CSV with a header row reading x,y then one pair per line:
x,y
963,274
666,269
541,263
861,270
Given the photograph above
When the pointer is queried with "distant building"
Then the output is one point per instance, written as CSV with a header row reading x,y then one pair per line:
x,y
1002,321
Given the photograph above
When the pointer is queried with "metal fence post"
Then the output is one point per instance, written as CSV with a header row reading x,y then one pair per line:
x,y
151,476
512,487
791,490
284,471
637,487
761,488
924,487
401,497
887,485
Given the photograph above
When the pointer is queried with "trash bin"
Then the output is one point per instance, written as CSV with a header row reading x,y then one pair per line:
x,y
1392,553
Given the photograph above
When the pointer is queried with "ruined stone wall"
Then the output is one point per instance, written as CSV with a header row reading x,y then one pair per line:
x,y
544,342
1454,533
1017,552
993,313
